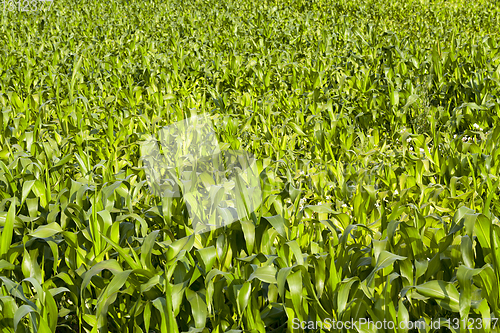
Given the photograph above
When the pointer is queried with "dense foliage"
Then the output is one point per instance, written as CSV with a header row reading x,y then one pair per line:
x,y
376,129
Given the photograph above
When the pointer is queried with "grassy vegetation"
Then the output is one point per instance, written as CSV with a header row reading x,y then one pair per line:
x,y
376,130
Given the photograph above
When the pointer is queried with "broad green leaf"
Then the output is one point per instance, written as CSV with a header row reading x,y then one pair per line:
x,y
265,274
445,293
46,231
8,230
198,308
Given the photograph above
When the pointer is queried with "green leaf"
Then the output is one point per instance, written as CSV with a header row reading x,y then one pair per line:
x,y
296,128
146,248
467,252
445,293
244,295
168,323
278,223
265,274
22,311
111,265
249,233
343,294
464,276
207,257
482,229
8,230
198,308
46,231
123,254
295,284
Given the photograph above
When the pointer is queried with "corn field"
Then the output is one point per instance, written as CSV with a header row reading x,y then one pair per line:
x,y
249,166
